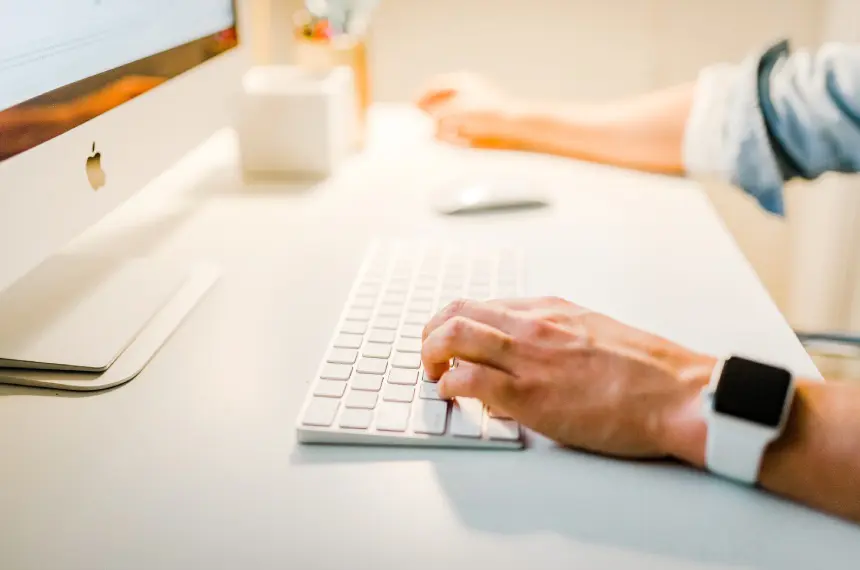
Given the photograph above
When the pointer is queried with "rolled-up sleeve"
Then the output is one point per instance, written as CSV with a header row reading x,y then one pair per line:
x,y
776,116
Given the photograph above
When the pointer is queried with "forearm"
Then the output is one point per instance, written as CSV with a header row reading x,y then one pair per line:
x,y
644,132
816,461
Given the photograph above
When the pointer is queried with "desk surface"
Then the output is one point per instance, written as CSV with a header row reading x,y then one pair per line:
x,y
194,464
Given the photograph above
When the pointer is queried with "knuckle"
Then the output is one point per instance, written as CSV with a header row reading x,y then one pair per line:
x,y
583,335
537,328
455,330
471,377
506,344
455,308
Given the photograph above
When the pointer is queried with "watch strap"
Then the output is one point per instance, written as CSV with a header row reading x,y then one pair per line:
x,y
734,448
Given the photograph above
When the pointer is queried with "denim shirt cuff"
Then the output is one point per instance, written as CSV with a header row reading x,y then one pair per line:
x,y
726,134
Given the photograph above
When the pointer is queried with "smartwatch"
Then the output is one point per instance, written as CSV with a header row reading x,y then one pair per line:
x,y
746,405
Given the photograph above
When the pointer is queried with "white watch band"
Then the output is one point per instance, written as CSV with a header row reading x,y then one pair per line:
x,y
735,448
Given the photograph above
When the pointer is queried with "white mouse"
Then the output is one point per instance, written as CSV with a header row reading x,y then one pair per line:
x,y
472,197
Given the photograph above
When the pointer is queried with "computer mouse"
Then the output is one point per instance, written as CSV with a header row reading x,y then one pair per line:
x,y
474,197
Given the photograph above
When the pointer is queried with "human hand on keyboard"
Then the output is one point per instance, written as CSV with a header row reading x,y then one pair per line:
x,y
579,377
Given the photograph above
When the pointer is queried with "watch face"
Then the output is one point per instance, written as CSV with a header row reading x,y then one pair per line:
x,y
752,391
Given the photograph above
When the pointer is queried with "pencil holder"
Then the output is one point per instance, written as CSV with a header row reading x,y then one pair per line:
x,y
295,123
348,50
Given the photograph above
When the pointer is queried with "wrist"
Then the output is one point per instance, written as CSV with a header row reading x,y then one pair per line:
x,y
684,430
519,126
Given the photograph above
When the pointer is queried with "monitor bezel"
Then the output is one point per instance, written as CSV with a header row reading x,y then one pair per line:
x,y
95,83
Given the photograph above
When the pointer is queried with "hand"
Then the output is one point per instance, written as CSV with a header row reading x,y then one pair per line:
x,y
576,376
470,111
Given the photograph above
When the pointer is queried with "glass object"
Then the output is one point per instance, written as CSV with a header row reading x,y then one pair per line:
x,y
320,45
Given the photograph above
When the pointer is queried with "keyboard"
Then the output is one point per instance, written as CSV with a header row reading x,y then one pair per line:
x,y
370,388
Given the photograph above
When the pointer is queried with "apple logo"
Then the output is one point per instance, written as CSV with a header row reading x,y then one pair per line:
x,y
95,174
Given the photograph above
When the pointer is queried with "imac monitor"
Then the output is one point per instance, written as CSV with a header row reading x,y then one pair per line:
x,y
96,99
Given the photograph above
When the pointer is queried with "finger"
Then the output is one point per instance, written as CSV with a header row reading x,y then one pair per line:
x,y
453,139
495,316
467,340
537,304
514,303
439,88
468,380
447,128
433,97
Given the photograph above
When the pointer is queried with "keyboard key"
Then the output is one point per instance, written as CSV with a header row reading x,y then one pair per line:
x,y
445,301
370,382
430,416
353,327
390,323
466,417
382,335
409,345
376,350
358,315
364,302
417,318
421,306
397,393
497,414
425,295
372,366
507,293
397,286
388,310
355,418
403,376
506,430
336,372
392,416
346,340
429,391
330,388
321,412
374,277
342,356
412,331
406,360
361,399
368,290
394,298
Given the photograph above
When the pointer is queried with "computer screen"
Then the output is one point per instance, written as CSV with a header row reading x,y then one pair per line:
x,y
64,62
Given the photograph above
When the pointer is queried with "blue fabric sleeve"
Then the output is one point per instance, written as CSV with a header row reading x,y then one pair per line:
x,y
790,115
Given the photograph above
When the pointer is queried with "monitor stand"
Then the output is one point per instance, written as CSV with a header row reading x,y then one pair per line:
x,y
86,323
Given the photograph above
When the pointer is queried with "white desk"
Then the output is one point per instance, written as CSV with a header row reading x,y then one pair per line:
x,y
194,464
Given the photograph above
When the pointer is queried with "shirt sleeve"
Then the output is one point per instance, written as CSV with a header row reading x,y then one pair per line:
x,y
776,116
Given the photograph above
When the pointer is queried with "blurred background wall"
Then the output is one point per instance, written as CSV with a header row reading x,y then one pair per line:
x,y
590,49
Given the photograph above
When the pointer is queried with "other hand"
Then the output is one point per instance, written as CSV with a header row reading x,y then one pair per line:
x,y
470,111
578,377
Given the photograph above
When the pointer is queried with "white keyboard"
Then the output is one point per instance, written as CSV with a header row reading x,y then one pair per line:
x,y
370,388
